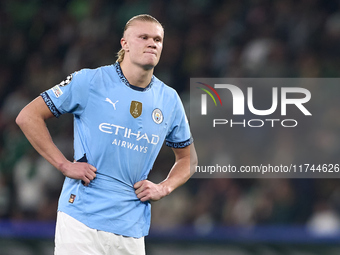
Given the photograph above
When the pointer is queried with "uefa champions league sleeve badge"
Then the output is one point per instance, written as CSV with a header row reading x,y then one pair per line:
x,y
56,89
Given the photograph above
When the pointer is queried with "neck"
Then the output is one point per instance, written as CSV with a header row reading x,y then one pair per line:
x,y
136,75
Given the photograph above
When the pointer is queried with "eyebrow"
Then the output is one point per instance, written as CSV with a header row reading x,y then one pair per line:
x,y
149,35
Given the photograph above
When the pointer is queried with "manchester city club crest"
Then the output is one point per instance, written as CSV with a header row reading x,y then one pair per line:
x,y
136,109
157,116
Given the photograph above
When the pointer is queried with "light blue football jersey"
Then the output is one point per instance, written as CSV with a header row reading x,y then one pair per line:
x,y
119,129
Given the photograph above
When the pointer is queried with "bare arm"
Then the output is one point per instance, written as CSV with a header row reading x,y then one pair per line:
x,y
186,159
31,120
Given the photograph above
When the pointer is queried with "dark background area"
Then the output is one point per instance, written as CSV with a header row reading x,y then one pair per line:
x,y
41,42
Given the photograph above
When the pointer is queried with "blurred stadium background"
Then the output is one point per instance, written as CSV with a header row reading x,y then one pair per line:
x,y
41,42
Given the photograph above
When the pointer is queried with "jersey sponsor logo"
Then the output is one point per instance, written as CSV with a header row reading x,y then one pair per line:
x,y
136,109
157,116
127,133
57,91
130,146
66,81
113,104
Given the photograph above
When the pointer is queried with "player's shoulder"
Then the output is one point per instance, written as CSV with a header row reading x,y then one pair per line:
x,y
166,88
92,72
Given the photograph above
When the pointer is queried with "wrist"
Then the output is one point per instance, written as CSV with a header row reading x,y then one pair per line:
x,y
63,166
166,189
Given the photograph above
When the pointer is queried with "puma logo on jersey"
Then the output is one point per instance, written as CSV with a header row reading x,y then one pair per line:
x,y
113,104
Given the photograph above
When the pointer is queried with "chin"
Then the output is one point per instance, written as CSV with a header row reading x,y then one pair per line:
x,y
150,65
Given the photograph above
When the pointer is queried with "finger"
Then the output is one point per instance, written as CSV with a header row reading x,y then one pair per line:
x,y
139,190
143,196
86,180
138,184
93,168
90,175
140,195
144,199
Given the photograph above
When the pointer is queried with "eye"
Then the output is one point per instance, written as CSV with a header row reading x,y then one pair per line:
x,y
144,37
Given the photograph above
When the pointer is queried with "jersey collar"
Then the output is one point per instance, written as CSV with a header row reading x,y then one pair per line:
x,y
126,82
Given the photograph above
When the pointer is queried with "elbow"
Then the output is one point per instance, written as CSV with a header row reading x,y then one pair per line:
x,y
193,160
193,155
33,114
20,119
23,118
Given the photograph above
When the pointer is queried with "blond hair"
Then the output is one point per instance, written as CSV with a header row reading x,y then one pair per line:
x,y
141,17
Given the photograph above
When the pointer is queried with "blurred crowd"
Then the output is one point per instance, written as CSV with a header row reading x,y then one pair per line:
x,y
41,42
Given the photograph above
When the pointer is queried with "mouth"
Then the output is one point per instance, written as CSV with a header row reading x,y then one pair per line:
x,y
151,52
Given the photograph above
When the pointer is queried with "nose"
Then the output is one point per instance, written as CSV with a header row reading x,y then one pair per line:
x,y
151,44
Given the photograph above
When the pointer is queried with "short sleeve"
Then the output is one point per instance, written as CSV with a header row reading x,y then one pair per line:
x,y
71,95
179,133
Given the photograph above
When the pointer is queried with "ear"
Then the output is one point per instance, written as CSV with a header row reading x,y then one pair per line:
x,y
124,44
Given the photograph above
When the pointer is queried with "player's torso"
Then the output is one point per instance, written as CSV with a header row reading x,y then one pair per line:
x,y
126,127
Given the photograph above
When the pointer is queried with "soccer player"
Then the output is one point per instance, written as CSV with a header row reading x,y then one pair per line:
x,y
122,115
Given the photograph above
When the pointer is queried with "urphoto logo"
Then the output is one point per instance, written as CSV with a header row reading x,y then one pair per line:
x,y
204,97
238,104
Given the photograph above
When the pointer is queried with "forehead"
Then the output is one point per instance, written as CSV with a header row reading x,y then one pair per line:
x,y
145,27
